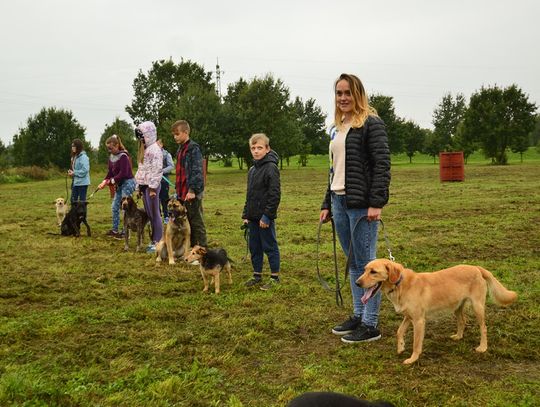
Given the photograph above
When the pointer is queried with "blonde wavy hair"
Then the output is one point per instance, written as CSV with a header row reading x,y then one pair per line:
x,y
361,108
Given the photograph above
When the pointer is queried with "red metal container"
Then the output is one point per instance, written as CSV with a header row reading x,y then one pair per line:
x,y
451,166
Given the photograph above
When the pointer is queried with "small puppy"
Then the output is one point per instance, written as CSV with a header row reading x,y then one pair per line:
x,y
61,209
177,237
211,261
135,219
416,294
71,225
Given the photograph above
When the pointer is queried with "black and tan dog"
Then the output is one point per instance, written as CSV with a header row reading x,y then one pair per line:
x,y
71,225
177,237
211,261
135,219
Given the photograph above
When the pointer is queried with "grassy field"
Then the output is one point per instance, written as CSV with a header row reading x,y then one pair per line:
x,y
83,323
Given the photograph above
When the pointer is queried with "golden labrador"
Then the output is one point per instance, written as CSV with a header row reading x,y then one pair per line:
x,y
416,294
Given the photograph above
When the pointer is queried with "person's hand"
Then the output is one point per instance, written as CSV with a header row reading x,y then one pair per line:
x,y
263,225
190,196
103,184
374,214
138,193
152,192
70,173
324,216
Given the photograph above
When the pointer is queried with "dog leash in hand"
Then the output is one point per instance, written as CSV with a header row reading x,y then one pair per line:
x,y
337,290
326,286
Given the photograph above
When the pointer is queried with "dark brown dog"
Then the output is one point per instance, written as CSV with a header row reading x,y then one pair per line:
x,y
135,219
211,261
71,225
416,294
176,240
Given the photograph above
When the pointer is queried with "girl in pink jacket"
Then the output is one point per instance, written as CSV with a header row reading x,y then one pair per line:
x,y
148,177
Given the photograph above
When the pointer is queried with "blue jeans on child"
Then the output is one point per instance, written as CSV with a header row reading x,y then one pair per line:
x,y
349,223
263,241
126,188
78,193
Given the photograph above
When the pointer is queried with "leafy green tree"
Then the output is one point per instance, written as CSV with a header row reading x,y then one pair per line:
x,y
236,127
262,106
413,138
498,118
534,136
201,107
386,111
446,117
313,126
431,145
46,139
463,143
126,133
158,92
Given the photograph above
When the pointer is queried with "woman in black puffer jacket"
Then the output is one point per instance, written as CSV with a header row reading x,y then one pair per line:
x,y
357,191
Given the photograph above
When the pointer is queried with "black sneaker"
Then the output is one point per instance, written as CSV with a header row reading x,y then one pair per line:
x,y
253,282
348,326
268,286
364,333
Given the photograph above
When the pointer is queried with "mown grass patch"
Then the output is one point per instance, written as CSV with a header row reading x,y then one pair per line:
x,y
84,323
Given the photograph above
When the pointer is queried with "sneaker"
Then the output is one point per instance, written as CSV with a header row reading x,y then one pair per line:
x,y
347,326
112,233
119,235
271,284
151,248
364,333
254,281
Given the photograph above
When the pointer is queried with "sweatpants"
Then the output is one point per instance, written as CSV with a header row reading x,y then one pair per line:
x,y
151,206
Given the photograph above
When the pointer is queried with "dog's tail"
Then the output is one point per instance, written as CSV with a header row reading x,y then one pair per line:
x,y
499,292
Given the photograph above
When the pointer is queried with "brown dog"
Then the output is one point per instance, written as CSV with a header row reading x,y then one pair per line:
x,y
61,209
416,294
211,262
177,237
135,219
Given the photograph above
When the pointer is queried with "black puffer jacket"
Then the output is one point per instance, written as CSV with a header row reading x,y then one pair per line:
x,y
263,189
367,166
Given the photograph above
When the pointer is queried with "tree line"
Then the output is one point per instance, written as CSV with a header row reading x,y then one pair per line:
x,y
495,120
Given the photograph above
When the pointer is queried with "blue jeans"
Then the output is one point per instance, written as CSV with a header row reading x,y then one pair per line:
x,y
349,223
127,188
78,193
263,241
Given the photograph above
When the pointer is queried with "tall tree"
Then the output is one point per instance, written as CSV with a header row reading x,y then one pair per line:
x,y
498,118
158,92
534,136
46,139
413,138
313,126
122,129
431,145
235,126
446,117
201,107
463,143
387,112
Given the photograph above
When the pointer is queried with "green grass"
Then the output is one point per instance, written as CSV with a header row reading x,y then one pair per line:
x,y
82,323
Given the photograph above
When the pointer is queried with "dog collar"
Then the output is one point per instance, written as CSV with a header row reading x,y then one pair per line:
x,y
396,285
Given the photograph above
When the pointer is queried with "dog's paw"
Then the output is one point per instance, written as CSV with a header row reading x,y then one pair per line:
x,y
456,337
481,349
412,359
158,259
171,262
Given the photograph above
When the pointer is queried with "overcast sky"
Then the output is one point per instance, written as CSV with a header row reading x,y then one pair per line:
x,y
83,55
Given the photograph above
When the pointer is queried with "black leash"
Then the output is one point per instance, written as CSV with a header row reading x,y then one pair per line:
x,y
245,228
337,290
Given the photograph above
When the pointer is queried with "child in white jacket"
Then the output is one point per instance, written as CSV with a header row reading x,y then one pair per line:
x,y
148,177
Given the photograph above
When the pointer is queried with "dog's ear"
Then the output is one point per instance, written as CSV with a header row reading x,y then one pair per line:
x,y
202,250
394,271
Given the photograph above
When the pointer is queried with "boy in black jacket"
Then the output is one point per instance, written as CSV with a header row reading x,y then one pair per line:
x,y
260,210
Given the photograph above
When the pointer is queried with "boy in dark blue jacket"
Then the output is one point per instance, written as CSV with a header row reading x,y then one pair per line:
x,y
260,210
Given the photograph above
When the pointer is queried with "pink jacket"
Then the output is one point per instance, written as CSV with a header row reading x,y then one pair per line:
x,y
150,170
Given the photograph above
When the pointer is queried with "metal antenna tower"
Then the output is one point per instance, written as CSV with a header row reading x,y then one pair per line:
x,y
218,79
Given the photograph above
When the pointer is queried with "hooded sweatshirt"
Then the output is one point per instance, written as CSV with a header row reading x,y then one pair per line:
x,y
150,170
